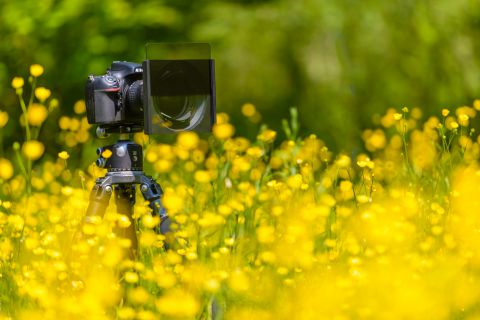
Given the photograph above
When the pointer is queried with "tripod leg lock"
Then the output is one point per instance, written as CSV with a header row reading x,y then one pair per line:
x,y
99,198
152,192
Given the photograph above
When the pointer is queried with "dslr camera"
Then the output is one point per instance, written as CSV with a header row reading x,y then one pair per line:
x,y
173,90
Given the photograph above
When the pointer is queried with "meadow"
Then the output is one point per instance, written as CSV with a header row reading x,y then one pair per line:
x,y
262,229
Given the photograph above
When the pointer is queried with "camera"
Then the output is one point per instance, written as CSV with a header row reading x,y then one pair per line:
x,y
173,92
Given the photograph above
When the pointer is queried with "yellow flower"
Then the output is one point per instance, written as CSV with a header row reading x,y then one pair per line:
x,y
463,119
107,153
223,131
211,219
6,169
295,181
63,155
224,210
18,82
172,201
113,253
423,150
397,116
255,152
36,114
362,198
126,313
248,110
147,239
178,303
374,140
188,140
123,221
6,249
416,113
16,221
344,161
222,117
79,107
239,281
476,104
64,123
266,234
212,285
388,119
202,176
445,112
36,70
33,149
138,295
150,221
267,136
131,277
345,186
3,118
74,124
53,104
42,93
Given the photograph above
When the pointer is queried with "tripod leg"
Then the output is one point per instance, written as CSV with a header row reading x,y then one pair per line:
x,y
125,201
99,198
152,192
98,203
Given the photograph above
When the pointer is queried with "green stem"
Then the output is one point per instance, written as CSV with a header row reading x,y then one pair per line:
x,y
25,114
35,132
371,186
24,171
29,171
32,94
405,147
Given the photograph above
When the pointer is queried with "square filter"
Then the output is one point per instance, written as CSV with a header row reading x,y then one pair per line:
x,y
178,88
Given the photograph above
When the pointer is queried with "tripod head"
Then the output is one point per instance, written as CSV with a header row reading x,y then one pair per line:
x,y
124,155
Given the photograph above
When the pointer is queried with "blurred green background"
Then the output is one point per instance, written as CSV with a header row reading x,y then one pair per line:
x,y
339,62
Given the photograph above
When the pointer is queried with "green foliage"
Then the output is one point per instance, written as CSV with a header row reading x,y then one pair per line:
x,y
338,61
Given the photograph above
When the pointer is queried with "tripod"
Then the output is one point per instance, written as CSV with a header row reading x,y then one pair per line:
x,y
125,171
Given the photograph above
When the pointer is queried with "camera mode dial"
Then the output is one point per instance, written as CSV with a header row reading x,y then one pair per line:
x,y
110,79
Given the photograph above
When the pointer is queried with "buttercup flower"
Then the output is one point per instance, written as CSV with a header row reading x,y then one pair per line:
x,y
188,140
79,107
42,93
202,176
3,118
223,131
63,155
36,114
267,136
248,110
36,70
17,82
6,169
33,149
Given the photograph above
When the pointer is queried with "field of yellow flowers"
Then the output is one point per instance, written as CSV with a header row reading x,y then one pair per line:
x,y
261,229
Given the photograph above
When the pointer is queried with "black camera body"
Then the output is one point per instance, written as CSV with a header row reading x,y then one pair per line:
x,y
115,100
157,96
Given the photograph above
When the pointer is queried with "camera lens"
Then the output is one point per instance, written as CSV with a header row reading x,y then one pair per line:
x,y
181,106
173,107
134,96
180,113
